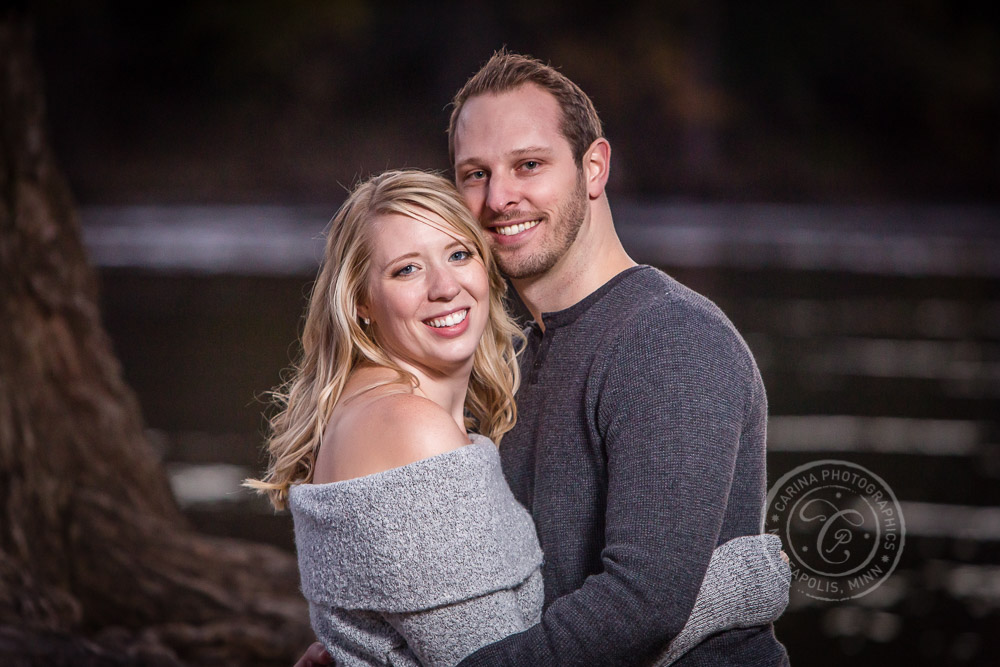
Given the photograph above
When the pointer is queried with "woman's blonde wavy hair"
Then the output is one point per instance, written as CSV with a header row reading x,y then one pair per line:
x,y
334,342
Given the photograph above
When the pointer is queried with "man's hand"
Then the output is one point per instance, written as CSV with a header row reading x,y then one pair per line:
x,y
314,656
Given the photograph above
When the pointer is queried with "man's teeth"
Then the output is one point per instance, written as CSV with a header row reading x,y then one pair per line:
x,y
448,320
510,230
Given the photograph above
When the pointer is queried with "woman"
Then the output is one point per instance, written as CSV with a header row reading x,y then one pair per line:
x,y
412,549
406,347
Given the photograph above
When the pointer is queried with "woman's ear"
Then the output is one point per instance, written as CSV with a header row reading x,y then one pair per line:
x,y
363,313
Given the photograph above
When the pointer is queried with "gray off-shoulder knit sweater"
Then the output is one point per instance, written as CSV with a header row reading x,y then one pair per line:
x,y
424,564
420,564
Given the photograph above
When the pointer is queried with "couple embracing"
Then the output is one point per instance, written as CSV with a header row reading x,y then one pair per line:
x,y
610,514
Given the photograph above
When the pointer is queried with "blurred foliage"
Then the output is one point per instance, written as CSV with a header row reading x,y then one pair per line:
x,y
782,100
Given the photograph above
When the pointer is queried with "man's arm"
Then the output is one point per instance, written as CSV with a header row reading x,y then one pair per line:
x,y
746,584
677,395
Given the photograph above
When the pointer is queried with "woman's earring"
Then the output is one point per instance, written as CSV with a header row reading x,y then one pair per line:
x,y
366,321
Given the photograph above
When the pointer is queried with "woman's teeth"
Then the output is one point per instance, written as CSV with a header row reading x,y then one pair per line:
x,y
448,320
510,230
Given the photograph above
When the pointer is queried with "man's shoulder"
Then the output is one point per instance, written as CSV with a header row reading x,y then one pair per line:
x,y
671,336
654,305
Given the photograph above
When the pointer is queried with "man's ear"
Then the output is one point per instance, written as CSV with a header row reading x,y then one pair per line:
x,y
597,166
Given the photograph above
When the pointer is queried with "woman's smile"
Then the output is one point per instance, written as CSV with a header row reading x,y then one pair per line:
x,y
428,293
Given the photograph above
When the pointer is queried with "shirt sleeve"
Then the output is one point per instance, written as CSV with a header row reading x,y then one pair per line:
x,y
677,395
746,584
442,636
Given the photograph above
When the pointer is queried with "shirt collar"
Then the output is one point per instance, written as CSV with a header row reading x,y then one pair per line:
x,y
561,318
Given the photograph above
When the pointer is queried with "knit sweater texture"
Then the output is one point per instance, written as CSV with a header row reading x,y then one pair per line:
x,y
639,447
425,563
417,565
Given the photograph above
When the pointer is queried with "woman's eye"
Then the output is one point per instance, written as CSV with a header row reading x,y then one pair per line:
x,y
460,255
406,270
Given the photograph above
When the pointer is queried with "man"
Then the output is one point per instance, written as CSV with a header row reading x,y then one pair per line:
x,y
640,438
639,445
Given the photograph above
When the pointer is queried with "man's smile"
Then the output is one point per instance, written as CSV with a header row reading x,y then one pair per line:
x,y
515,228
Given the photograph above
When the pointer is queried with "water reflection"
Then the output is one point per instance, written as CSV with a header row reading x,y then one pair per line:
x,y
877,331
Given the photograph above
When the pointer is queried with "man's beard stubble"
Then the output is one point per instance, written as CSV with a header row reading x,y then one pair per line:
x,y
564,230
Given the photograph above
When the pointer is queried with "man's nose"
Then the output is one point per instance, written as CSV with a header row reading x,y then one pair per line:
x,y
442,284
502,193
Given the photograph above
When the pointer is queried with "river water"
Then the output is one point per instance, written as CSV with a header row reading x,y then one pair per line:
x,y
877,331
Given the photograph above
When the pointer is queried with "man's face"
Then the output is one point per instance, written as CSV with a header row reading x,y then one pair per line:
x,y
517,174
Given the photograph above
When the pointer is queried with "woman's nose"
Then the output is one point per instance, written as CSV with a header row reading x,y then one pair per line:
x,y
443,285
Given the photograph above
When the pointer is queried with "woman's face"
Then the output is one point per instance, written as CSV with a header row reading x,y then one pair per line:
x,y
428,294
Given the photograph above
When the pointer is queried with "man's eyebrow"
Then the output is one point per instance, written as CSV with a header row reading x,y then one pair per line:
x,y
516,153
530,150
467,161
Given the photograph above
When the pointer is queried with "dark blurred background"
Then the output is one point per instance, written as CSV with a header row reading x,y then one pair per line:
x,y
790,101
827,172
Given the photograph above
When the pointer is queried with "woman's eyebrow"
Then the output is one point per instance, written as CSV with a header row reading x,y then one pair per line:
x,y
401,257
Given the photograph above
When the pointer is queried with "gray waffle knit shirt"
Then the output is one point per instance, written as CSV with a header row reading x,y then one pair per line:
x,y
639,447
425,563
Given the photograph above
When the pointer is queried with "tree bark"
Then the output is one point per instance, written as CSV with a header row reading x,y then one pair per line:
x,y
97,564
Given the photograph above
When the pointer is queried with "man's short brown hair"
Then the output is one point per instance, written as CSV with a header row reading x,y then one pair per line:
x,y
506,71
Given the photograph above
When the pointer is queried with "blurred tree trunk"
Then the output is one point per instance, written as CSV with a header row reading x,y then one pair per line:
x,y
97,565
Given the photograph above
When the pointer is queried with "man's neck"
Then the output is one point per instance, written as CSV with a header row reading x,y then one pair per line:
x,y
596,257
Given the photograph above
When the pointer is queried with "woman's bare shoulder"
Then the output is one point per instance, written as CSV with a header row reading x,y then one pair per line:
x,y
386,428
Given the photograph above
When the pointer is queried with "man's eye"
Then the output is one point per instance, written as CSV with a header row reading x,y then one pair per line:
x,y
477,175
530,164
